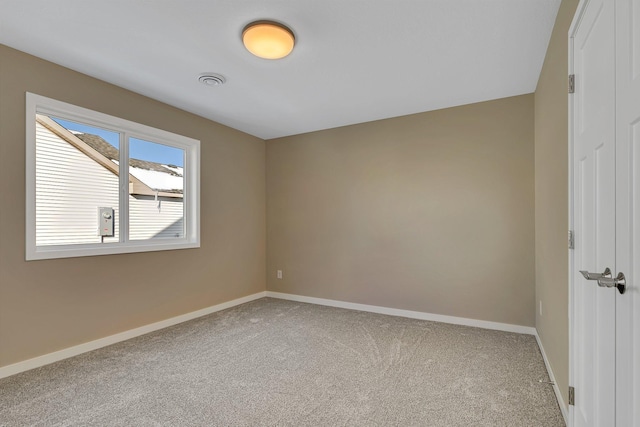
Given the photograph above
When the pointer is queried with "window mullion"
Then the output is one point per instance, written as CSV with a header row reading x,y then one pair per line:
x,y
124,187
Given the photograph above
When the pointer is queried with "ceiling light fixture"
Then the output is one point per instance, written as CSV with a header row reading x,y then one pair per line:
x,y
268,40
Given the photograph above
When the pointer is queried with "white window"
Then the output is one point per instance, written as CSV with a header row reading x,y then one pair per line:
x,y
97,184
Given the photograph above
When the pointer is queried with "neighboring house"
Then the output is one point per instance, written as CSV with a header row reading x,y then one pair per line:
x,y
77,173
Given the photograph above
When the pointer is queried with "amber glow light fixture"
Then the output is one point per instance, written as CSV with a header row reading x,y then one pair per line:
x,y
268,40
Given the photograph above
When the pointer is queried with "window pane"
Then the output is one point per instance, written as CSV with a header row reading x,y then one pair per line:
x,y
76,174
156,208
77,196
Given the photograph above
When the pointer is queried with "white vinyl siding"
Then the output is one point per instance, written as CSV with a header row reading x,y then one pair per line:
x,y
70,186
150,218
69,189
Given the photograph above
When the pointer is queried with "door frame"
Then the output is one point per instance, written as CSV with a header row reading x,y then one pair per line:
x,y
577,18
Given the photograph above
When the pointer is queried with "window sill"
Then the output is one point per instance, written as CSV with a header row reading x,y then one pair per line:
x,y
54,252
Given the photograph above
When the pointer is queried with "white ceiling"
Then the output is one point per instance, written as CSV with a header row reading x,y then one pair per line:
x,y
354,60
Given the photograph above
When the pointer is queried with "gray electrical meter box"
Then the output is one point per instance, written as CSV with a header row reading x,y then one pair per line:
x,y
105,219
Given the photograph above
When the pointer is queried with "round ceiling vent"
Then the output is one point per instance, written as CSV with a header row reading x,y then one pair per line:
x,y
212,79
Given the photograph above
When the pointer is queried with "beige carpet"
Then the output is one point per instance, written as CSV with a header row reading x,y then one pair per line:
x,y
280,363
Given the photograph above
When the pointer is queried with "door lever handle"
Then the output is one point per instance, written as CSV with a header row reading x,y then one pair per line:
x,y
596,276
619,282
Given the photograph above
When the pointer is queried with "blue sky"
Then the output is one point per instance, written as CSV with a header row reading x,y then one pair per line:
x,y
138,148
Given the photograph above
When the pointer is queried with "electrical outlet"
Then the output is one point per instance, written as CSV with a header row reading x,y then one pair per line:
x,y
540,307
279,274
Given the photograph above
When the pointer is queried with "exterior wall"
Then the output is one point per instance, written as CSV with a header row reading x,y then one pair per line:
x,y
49,305
150,218
70,187
432,212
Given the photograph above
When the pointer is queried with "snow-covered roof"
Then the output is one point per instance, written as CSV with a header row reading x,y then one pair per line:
x,y
157,176
145,178
159,181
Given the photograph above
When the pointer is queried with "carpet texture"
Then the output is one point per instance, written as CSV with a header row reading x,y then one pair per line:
x,y
280,363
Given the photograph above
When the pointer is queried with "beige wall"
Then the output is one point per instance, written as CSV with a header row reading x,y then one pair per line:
x,y
551,130
54,304
431,212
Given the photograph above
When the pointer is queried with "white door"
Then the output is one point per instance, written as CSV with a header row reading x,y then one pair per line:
x,y
605,323
593,323
628,211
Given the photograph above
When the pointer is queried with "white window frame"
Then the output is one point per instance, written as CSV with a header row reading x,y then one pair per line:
x,y
37,104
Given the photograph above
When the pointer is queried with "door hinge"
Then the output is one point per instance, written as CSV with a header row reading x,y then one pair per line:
x,y
572,396
572,83
571,241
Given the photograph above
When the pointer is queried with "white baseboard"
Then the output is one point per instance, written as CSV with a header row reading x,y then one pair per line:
x,y
552,378
56,356
407,313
